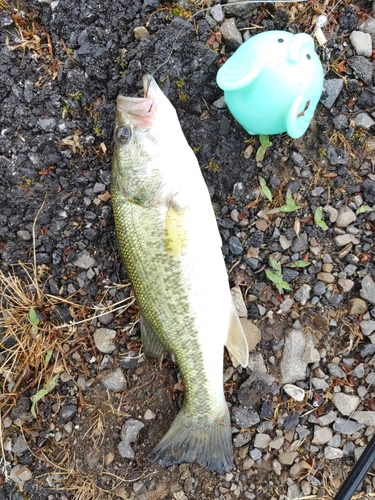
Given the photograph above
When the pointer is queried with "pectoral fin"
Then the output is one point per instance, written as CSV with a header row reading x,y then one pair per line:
x,y
151,344
236,342
175,231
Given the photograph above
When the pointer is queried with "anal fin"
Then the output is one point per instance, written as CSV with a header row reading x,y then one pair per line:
x,y
152,346
236,342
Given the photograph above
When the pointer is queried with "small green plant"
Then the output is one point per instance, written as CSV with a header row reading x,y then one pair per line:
x,y
212,165
276,276
299,263
290,204
264,189
43,392
264,144
34,320
180,83
322,152
182,96
178,11
318,219
363,209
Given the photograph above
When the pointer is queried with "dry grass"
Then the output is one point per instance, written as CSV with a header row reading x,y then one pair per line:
x,y
35,346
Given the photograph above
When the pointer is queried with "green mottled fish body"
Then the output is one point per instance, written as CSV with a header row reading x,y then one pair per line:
x,y
171,248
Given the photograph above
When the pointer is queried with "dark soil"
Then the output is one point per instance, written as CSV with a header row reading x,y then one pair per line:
x,y
61,69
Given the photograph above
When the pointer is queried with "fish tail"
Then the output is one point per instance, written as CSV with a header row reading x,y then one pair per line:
x,y
197,439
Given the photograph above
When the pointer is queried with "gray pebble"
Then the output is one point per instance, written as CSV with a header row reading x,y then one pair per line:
x,y
335,370
231,36
114,381
238,9
220,103
238,190
19,446
319,288
331,91
298,159
345,217
235,245
342,240
337,156
336,299
292,366
348,449
332,213
359,371
24,235
106,318
331,453
245,417
84,260
104,339
363,120
327,419
341,122
317,191
125,450
335,442
47,124
362,67
22,409
261,441
346,426
367,326
130,430
322,435
361,43
313,480
294,491
289,274
300,243
367,291
255,454
19,474
345,403
319,383
350,269
217,13
242,438
68,412
302,295
365,417
369,25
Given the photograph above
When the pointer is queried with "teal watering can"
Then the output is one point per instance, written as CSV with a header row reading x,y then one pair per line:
x,y
273,82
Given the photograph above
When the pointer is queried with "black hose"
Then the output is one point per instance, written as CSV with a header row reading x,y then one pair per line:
x,y
358,472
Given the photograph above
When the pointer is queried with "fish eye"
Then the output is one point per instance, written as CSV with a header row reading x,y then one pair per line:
x,y
280,40
308,56
123,134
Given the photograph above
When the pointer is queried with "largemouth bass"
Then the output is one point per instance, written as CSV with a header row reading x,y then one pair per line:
x,y
171,248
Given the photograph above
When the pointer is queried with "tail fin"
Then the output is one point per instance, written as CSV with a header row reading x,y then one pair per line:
x,y
192,439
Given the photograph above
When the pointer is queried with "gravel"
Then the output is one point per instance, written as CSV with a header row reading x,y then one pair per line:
x,y
307,394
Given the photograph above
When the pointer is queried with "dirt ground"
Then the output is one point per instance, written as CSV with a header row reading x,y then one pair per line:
x,y
62,65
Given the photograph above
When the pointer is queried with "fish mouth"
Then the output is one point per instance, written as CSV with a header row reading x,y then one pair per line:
x,y
141,110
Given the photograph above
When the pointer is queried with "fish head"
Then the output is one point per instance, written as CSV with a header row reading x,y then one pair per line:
x,y
147,141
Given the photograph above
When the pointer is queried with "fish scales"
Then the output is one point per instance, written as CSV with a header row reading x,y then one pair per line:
x,y
161,285
170,246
